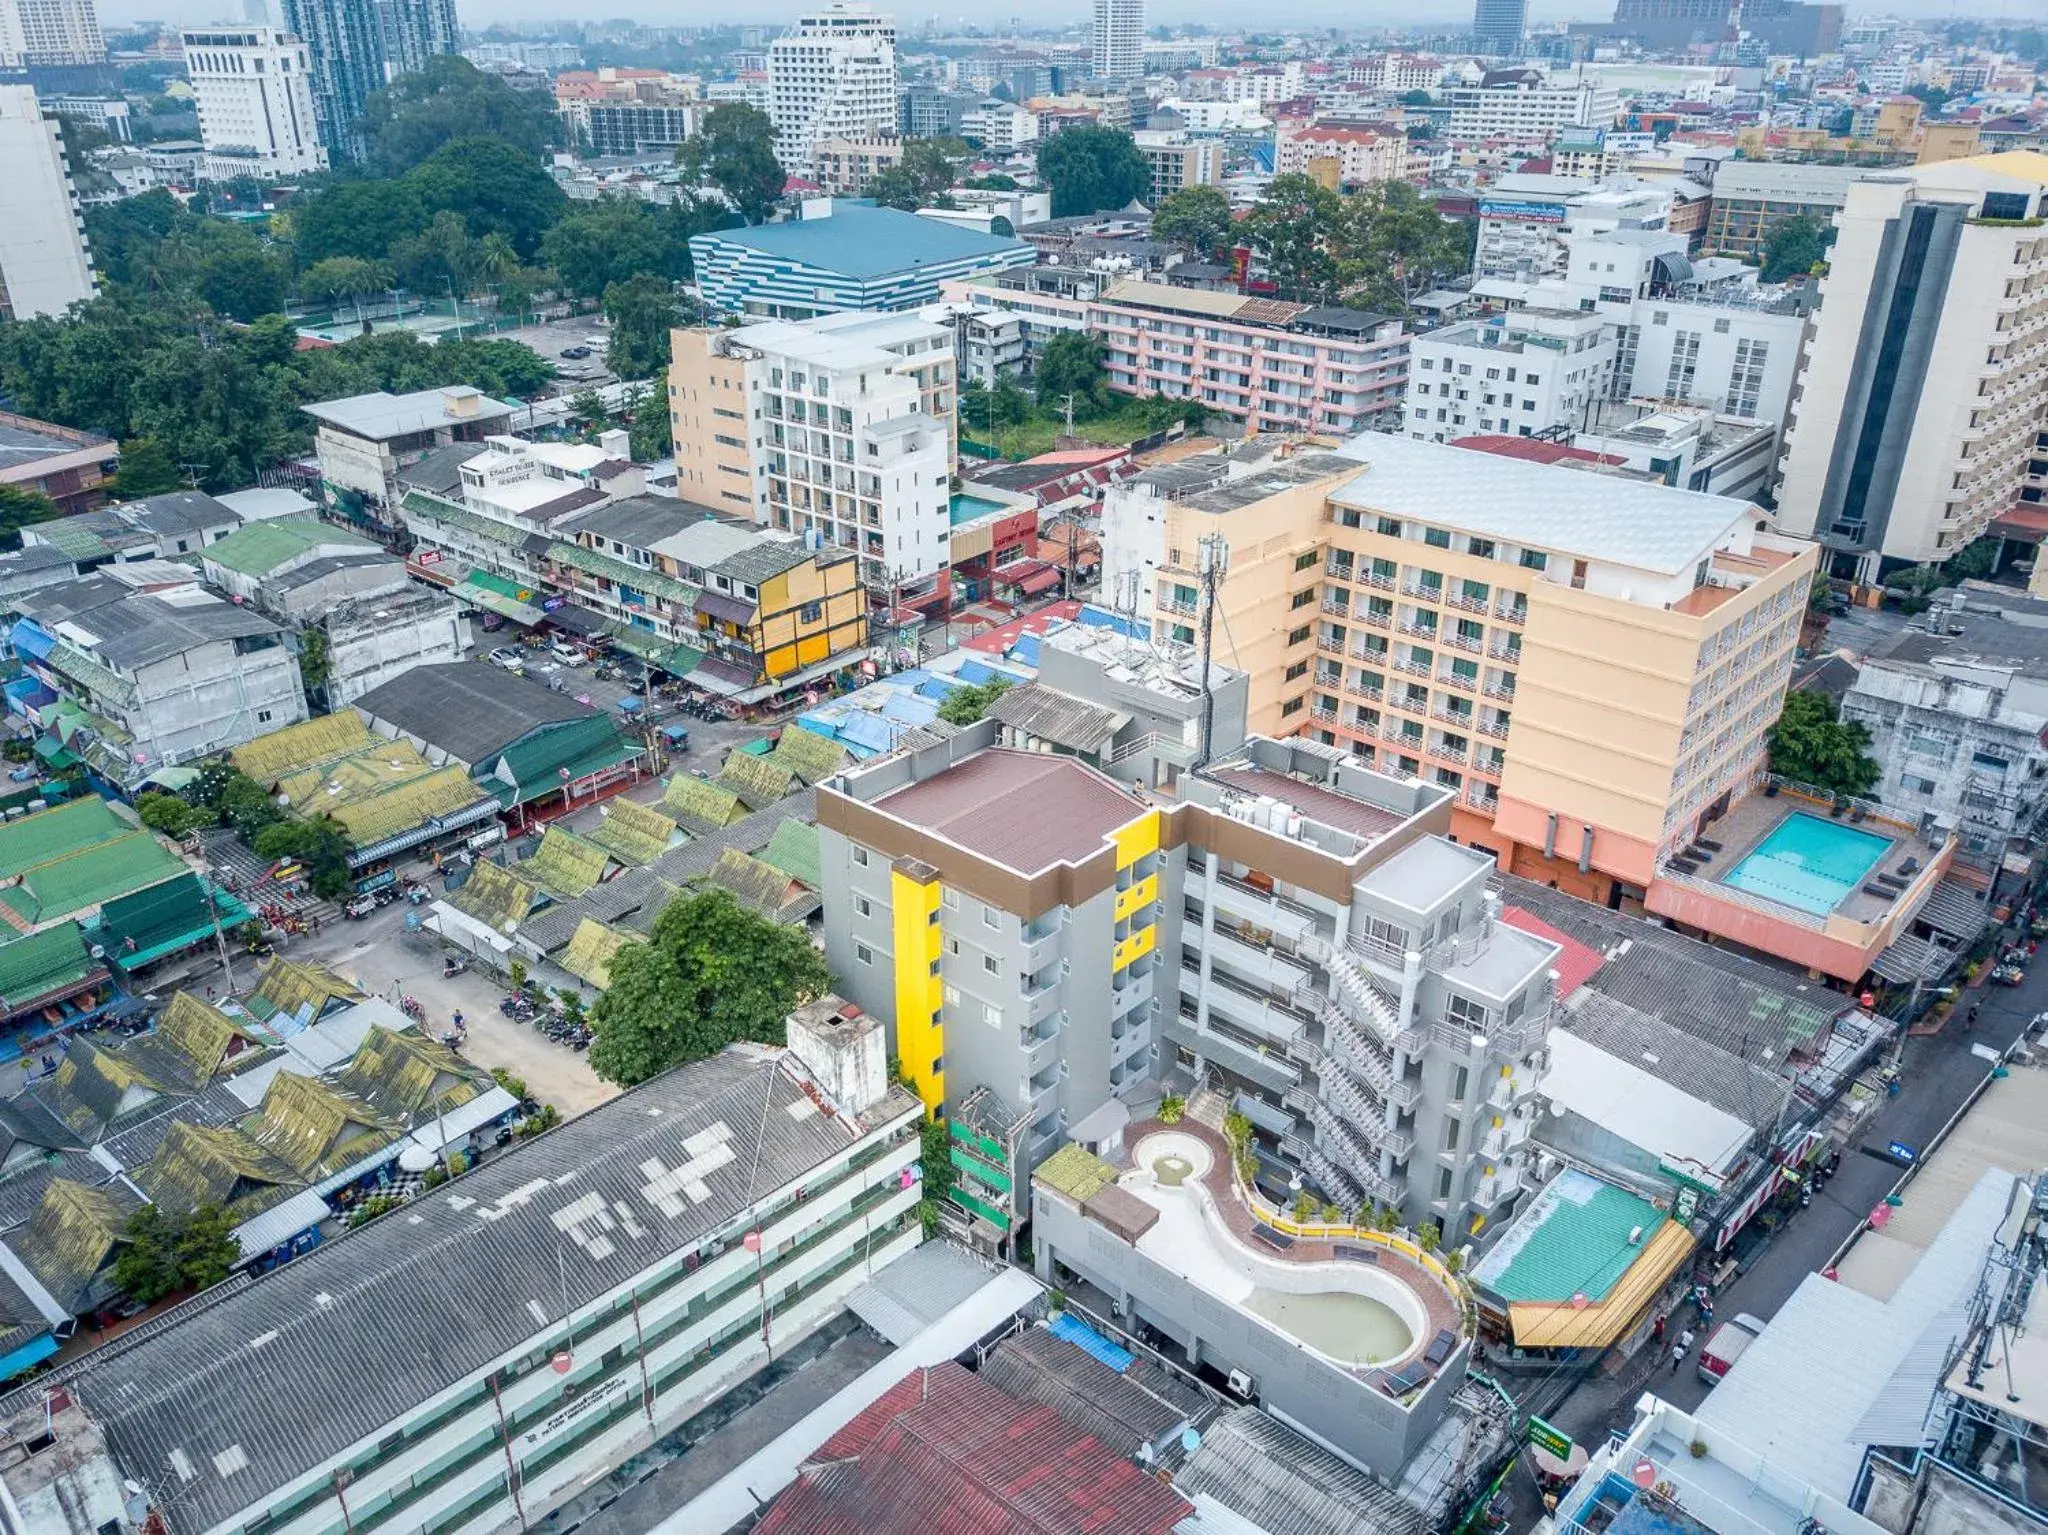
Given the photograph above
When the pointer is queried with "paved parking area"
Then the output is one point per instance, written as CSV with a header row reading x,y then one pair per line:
x,y
551,338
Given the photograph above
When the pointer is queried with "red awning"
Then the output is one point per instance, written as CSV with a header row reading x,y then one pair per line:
x,y
1039,581
2026,523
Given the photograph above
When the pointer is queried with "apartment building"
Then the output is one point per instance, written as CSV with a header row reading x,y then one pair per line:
x,y
844,167
841,428
832,76
1292,929
1523,106
1117,40
45,260
363,441
1177,162
254,90
1356,156
50,34
1527,219
664,1247
1752,197
413,31
1588,665
1532,372
1000,127
1925,384
345,40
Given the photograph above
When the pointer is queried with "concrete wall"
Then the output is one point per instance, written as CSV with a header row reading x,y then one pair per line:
x,y
368,657
211,698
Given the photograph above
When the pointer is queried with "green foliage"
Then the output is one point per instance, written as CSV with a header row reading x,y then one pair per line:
x,y
643,311
451,99
940,1177
734,151
1072,364
1305,1205
1292,230
1333,1214
1975,560
648,426
272,832
1430,1237
363,219
334,279
712,972
162,1253
125,233
1794,246
969,702
1455,1261
1387,1218
1381,247
1197,217
608,241
316,659
1171,1107
1091,169
174,817
1237,1129
19,508
496,188
995,182
983,409
369,1209
920,179
1812,744
515,1085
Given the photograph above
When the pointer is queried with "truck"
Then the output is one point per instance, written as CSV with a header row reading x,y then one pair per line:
x,y
1726,1344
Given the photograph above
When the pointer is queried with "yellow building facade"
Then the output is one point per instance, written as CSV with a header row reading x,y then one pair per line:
x,y
709,416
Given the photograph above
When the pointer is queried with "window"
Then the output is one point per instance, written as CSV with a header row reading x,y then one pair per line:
x,y
1988,762
990,917
991,964
1482,549
1298,669
1464,1010
1534,559
1459,1082
863,955
952,996
1450,1135
1306,560
263,716
1292,706
811,612
1437,538
860,858
864,906
1443,1184
949,898
991,1015
1299,636
1303,598
1388,527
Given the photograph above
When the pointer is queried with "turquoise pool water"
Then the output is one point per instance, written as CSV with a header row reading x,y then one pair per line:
x,y
966,508
1809,863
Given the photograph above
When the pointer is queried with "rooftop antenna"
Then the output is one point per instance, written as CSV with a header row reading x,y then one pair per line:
x,y
1212,562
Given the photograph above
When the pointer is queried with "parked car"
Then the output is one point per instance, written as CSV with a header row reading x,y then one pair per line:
x,y
359,906
509,657
566,653
575,351
1726,1344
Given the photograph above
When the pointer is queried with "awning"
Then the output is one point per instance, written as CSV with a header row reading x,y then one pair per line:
x,y
2026,523
1906,960
494,594
727,609
426,831
1039,581
1956,910
581,622
54,753
1599,1324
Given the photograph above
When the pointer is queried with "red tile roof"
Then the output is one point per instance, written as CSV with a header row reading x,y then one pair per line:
x,y
999,640
945,1451
1537,450
1575,966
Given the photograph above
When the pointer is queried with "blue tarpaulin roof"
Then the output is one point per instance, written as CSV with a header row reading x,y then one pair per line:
x,y
868,732
909,709
1092,617
1025,650
1082,1336
31,639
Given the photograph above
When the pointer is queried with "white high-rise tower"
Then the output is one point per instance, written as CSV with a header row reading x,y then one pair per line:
x,y
45,264
254,89
832,77
1119,40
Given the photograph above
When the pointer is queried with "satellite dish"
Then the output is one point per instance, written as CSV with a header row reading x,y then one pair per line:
x,y
415,1159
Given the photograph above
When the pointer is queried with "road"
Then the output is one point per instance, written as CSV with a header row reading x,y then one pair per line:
x,y
1939,1073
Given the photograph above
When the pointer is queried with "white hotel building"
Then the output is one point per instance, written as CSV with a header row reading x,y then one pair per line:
x,y
254,90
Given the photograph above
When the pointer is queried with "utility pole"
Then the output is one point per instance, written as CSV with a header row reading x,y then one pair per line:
x,y
1212,561
1070,412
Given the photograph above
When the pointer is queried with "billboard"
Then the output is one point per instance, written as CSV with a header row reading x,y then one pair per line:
x,y
1523,213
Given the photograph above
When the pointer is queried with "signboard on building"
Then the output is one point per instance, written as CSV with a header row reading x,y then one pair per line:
x,y
1523,213
1549,1440
596,1401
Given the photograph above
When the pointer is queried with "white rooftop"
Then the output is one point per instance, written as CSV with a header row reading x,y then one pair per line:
x,y
706,543
1634,1104
853,339
381,416
1635,523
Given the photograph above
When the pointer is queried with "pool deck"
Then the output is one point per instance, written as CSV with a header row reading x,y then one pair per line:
x,y
1444,1313
1749,821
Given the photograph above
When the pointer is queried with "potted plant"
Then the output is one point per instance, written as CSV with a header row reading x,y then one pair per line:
x,y
1171,1108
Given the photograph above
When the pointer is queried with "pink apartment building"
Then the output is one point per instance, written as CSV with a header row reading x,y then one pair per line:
x,y
1362,156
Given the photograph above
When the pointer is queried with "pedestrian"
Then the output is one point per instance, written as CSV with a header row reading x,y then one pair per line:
x,y
1970,1019
1685,1342
1657,1332
1677,1356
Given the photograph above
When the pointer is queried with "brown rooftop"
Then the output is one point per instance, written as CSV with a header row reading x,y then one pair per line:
x,y
1025,810
1318,804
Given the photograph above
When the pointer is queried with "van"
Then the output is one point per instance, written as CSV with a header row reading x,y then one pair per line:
x,y
1726,1344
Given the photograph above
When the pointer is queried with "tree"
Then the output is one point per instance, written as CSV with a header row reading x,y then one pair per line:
x,y
606,242
1072,364
364,219
920,179
146,469
244,283
1812,744
316,659
1294,229
494,186
162,1253
970,701
174,817
1794,246
1090,169
19,508
1197,217
451,99
712,972
1394,246
994,182
336,279
124,230
642,311
734,151
1976,559
648,428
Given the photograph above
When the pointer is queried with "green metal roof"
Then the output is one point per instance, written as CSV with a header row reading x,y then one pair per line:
x,y
259,548
794,849
1574,1240
419,504
42,966
56,833
622,574
88,879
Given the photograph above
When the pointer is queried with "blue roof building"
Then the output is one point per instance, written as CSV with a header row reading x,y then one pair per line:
x,y
843,255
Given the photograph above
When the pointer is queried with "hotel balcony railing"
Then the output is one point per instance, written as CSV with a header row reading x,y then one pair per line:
x,y
1422,593
1514,613
1498,729
1377,579
1413,668
1330,644
1377,620
1420,630
1338,572
1444,752
1366,691
1465,642
1497,690
1469,604
1337,605
1176,605
1323,716
1329,677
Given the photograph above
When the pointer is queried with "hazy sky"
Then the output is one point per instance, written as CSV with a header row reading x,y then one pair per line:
x,y
1278,13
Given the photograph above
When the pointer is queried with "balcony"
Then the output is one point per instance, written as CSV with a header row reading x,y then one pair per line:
x,y
1498,1189
1330,644
1323,716
1278,972
1514,613
1501,650
1261,908
1467,603
1338,606
1465,642
1376,579
1374,620
1329,677
1337,572
1444,752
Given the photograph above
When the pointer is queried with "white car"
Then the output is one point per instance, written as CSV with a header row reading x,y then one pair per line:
x,y
509,657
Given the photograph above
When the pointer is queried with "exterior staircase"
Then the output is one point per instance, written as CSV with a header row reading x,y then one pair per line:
x,y
1208,1107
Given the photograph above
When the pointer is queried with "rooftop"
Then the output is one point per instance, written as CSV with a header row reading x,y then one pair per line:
x,y
1644,525
471,712
1053,810
860,240
260,547
24,441
381,416
119,627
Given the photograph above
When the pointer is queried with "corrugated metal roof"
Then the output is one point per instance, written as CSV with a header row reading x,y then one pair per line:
x,y
591,951
632,832
1258,1468
564,864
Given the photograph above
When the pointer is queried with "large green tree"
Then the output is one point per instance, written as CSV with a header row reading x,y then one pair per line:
x,y
642,311
920,179
1092,169
1072,364
1295,229
1812,744
448,100
609,241
146,468
363,219
340,279
19,507
495,186
161,1253
1197,217
711,973
1393,246
734,151
1794,245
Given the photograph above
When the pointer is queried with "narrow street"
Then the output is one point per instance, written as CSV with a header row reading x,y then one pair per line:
x,y
1940,1073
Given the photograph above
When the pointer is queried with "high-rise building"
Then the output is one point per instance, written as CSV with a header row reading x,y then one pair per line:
x,y
832,76
1925,385
1498,27
356,47
840,427
1118,42
50,33
254,90
45,263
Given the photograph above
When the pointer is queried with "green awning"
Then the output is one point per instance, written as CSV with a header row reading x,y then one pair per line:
x,y
494,594
55,753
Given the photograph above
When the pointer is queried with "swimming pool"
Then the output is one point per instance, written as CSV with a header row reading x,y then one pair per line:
x,y
1809,863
